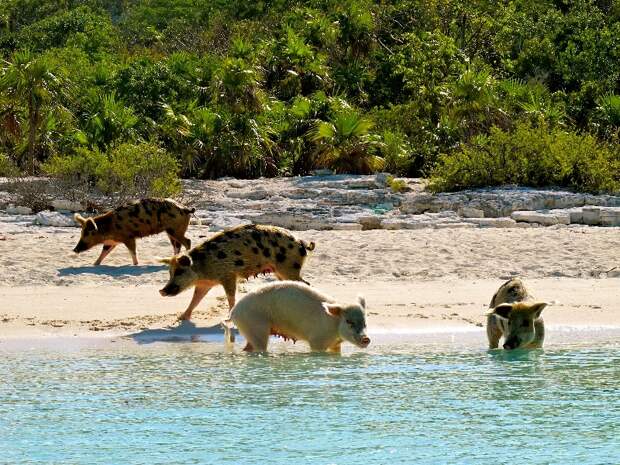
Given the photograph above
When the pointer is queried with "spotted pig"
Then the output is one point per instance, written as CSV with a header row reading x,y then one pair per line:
x,y
514,315
294,311
125,224
235,254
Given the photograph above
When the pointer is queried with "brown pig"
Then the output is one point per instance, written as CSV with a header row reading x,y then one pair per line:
x,y
125,224
515,316
237,253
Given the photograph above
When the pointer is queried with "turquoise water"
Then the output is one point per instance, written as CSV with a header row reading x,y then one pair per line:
x,y
396,403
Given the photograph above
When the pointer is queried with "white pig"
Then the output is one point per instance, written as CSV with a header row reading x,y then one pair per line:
x,y
296,311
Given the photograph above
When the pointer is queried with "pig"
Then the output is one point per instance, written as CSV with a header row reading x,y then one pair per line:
x,y
237,253
140,218
294,311
516,316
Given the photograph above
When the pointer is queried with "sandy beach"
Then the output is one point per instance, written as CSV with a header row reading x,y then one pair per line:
x,y
414,280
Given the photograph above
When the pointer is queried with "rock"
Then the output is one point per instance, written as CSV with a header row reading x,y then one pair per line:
x,y
220,223
454,225
67,205
416,204
470,212
405,223
576,215
18,210
503,222
591,215
254,194
610,216
322,172
614,273
54,218
370,222
544,218
381,179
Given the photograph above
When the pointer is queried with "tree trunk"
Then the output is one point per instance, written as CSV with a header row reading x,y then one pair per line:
x,y
33,118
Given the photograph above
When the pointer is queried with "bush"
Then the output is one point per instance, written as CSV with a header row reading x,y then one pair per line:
x,y
127,171
530,156
141,170
7,167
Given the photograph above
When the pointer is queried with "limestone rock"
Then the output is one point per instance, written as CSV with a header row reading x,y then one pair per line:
x,y
18,210
67,205
544,218
504,222
471,212
54,218
220,223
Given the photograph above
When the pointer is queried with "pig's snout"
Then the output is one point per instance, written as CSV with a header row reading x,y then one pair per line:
x,y
511,344
170,290
364,341
80,247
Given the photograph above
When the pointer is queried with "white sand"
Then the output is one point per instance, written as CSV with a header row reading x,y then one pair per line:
x,y
417,279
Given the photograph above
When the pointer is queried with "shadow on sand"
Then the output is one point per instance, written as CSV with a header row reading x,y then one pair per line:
x,y
185,331
125,270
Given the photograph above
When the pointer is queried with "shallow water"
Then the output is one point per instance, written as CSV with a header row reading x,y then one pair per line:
x,y
396,403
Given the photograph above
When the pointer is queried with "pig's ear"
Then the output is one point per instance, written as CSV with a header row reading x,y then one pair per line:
x,y
165,261
537,308
90,225
184,260
79,219
502,310
361,301
332,309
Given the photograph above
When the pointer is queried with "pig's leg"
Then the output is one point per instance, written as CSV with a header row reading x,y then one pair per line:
x,y
176,245
186,242
230,287
178,235
256,335
335,348
200,291
107,248
493,332
131,245
539,329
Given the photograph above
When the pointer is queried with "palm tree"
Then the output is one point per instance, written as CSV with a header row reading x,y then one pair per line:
x,y
28,82
345,144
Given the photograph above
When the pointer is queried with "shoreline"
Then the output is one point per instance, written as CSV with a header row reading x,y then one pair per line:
x,y
394,307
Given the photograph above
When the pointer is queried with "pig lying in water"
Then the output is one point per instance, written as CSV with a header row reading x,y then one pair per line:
x,y
237,253
516,317
125,224
298,312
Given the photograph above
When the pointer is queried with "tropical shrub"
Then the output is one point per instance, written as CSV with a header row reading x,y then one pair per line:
x,y
530,156
7,167
345,144
126,171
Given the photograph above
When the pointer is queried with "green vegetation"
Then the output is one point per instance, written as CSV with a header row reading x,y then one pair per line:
x,y
128,170
533,156
128,95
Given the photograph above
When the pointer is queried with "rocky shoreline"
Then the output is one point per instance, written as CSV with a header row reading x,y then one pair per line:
x,y
350,202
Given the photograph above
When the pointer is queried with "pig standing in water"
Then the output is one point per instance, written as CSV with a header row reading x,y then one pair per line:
x,y
294,311
515,316
125,224
240,252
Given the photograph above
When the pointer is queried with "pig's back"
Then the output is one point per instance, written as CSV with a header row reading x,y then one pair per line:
x,y
149,216
282,301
